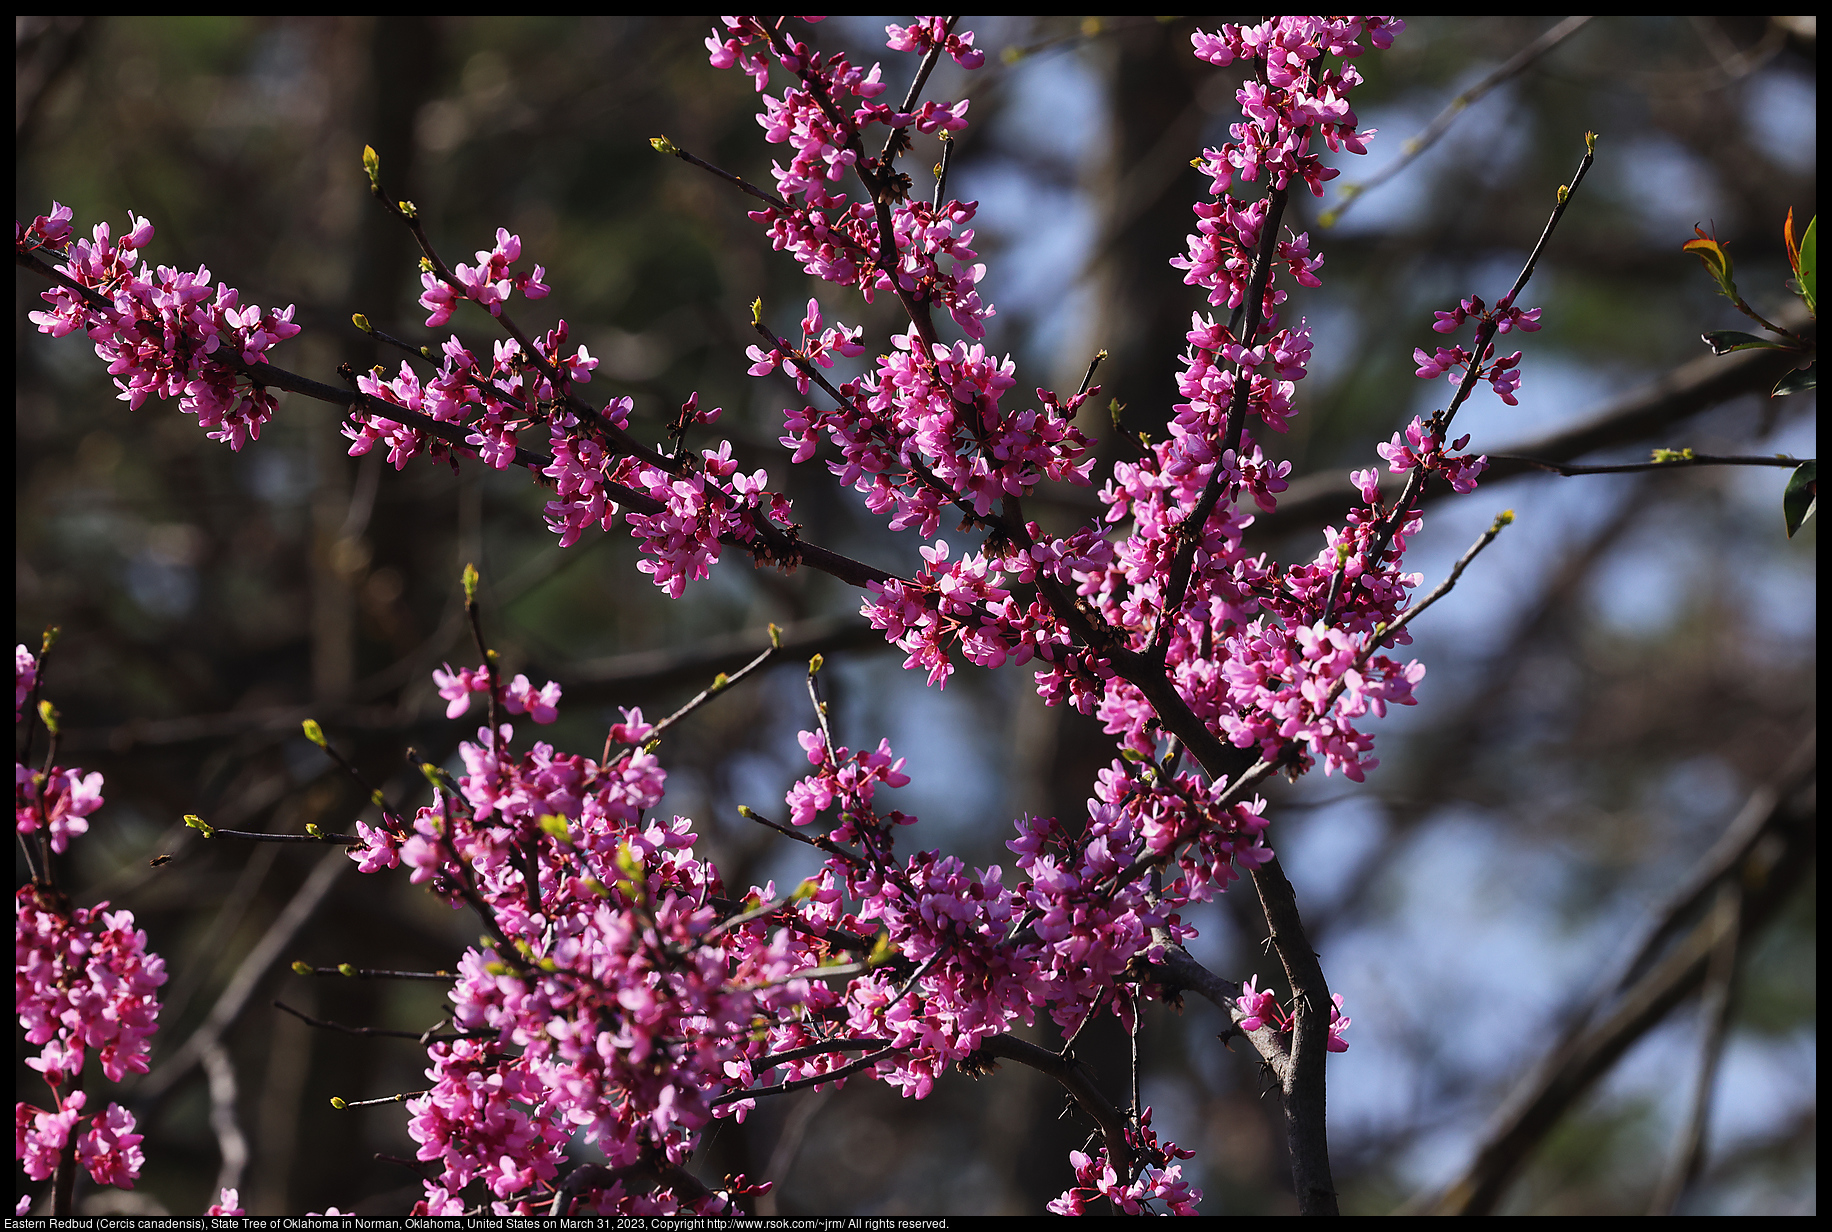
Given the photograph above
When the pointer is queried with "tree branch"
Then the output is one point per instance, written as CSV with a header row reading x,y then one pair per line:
x,y
1653,411
1769,849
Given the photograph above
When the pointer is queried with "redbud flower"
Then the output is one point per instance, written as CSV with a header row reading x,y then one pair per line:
x,y
229,1202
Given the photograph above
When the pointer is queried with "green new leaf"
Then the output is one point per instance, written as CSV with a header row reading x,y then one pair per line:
x,y
440,780
1801,496
1808,273
1724,341
1798,381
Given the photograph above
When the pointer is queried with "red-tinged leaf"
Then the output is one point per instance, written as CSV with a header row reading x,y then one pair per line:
x,y
1716,258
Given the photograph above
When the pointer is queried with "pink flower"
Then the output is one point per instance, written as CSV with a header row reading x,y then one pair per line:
x,y
60,802
520,698
110,1149
39,1136
457,687
633,730
1259,1007
1337,1025
229,1202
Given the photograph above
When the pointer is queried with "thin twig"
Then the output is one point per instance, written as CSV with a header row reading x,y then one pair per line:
x,y
241,986
762,1064
1770,847
1688,1157
1688,459
381,1032
1417,481
813,840
1412,147
374,973
865,1062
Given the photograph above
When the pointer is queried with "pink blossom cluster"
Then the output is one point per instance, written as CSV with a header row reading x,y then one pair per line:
x,y
1261,1008
611,1001
624,999
987,956
59,802
1090,909
1423,448
1251,648
517,697
161,332
959,980
1503,373
833,237
946,603
165,332
615,1008
109,1148
926,32
811,120
927,429
488,283
1159,1179
585,474
696,505
25,677
680,542
917,435
505,395
819,346
1299,97
82,979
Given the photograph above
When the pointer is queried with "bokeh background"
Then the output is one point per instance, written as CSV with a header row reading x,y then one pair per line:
x,y
1608,685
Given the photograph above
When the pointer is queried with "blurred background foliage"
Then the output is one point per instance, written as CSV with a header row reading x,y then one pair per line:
x,y
1629,662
